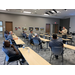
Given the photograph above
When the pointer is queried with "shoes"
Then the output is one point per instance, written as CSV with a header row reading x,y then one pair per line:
x,y
56,56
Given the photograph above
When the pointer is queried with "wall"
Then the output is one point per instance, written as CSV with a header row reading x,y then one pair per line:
x,y
27,21
72,24
65,22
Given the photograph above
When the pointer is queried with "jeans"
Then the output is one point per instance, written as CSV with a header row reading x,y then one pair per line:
x,y
64,36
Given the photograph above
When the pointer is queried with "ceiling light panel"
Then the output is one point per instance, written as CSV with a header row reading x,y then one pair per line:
x,y
26,12
3,9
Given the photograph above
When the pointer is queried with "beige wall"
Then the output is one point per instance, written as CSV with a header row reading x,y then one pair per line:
x,y
27,21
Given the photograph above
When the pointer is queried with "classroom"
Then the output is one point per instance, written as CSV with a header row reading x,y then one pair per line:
x,y
37,37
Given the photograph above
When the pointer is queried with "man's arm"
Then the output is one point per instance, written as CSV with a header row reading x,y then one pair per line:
x,y
15,38
14,48
60,31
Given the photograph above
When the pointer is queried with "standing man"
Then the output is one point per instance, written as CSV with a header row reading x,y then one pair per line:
x,y
64,33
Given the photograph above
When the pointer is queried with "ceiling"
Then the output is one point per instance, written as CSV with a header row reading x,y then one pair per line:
x,y
61,13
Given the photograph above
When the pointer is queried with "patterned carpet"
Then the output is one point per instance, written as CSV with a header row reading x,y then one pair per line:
x,y
68,56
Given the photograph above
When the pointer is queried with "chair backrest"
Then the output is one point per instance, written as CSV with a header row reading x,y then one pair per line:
x,y
57,50
5,51
5,35
73,38
35,41
60,39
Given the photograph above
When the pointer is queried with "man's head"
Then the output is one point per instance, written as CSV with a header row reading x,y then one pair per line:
x,y
11,32
6,43
63,27
54,36
36,35
23,31
31,31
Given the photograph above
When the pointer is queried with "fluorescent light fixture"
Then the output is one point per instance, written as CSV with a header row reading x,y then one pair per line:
x,y
45,14
53,11
2,9
34,9
58,12
26,12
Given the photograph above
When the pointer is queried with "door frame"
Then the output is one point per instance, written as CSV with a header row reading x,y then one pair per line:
x,y
50,28
12,24
58,27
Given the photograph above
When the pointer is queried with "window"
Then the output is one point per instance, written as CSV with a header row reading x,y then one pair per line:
x,y
0,23
1,29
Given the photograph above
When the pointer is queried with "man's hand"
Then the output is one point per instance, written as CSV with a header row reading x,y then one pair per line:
x,y
59,30
12,45
15,38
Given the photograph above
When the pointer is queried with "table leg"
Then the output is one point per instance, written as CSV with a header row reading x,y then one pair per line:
x,y
47,45
71,41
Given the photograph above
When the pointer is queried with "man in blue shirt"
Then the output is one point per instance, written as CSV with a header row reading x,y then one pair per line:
x,y
26,36
10,36
55,43
6,34
23,34
30,36
36,38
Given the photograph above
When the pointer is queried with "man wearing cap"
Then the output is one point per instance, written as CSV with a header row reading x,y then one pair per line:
x,y
40,42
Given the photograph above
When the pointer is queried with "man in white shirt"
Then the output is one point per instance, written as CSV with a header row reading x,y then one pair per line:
x,y
64,33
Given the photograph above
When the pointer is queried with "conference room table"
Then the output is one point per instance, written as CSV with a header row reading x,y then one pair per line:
x,y
32,57
69,46
18,41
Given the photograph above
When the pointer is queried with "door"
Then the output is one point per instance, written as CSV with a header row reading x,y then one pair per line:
x,y
48,28
8,26
55,28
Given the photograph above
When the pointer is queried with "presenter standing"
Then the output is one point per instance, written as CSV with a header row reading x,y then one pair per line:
x,y
64,33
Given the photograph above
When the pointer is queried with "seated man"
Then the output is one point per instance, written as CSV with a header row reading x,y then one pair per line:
x,y
40,42
10,36
55,43
12,51
5,35
23,34
30,36
26,36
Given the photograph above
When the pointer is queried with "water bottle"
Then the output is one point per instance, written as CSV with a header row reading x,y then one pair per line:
x,y
18,38
23,47
44,36
66,43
